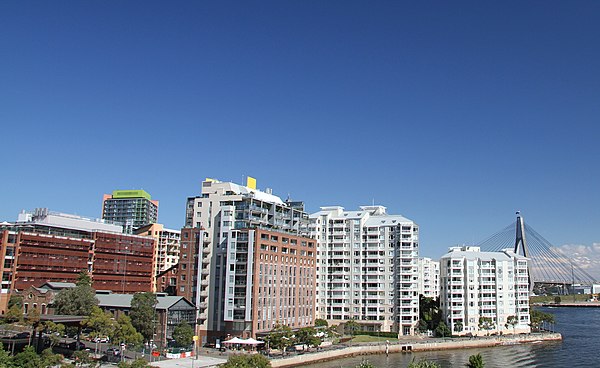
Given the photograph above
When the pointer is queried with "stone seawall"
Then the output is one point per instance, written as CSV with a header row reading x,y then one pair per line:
x,y
424,345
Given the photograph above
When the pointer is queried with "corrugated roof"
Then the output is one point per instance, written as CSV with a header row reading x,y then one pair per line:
x,y
57,285
124,300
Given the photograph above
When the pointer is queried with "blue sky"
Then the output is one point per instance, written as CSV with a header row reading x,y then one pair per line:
x,y
454,114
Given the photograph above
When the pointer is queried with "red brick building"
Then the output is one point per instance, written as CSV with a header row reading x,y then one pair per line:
x,y
36,252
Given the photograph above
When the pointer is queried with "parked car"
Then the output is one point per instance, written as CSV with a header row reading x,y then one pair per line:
x,y
102,340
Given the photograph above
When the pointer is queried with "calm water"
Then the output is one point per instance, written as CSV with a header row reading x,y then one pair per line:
x,y
580,347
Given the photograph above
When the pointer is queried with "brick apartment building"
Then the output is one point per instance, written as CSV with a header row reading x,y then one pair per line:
x,y
50,247
246,261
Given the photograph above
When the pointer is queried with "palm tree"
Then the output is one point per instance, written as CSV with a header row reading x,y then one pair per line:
x,y
475,361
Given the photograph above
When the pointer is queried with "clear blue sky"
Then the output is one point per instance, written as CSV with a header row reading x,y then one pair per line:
x,y
454,114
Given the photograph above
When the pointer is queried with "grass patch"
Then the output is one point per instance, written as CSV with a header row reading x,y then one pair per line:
x,y
563,298
366,338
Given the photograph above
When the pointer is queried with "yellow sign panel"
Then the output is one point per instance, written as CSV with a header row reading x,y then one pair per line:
x,y
251,182
195,338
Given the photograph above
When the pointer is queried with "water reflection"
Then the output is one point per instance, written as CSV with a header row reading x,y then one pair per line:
x,y
580,348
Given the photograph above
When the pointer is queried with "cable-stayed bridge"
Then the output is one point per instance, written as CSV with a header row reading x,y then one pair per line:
x,y
548,265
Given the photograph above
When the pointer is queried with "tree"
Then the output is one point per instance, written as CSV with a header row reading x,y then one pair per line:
x,y
429,312
511,321
84,279
6,361
124,332
28,358
423,363
77,301
14,314
33,320
458,326
321,323
538,318
351,326
100,322
280,337
54,331
247,361
15,309
183,334
475,361
138,363
486,323
143,314
365,364
83,359
442,330
307,336
557,300
422,326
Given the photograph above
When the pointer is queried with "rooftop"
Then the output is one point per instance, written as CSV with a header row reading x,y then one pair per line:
x,y
109,299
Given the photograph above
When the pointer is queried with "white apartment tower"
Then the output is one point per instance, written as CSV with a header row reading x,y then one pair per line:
x,y
429,278
477,284
367,268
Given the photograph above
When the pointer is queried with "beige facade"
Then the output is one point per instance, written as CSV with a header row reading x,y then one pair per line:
x,y
166,251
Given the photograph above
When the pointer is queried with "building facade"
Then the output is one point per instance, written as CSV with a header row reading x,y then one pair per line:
x,y
493,285
429,278
222,225
270,280
166,251
367,268
130,208
53,247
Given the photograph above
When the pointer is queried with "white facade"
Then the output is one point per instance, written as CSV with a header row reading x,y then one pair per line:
x,y
429,278
367,268
477,284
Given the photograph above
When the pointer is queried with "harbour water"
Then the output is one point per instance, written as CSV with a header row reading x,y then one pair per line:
x,y
580,328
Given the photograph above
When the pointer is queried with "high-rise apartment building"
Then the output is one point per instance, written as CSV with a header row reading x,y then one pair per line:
x,y
429,278
44,246
477,284
130,208
254,264
367,268
166,251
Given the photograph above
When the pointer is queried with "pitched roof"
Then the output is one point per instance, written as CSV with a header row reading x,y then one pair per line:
x,y
124,300
57,285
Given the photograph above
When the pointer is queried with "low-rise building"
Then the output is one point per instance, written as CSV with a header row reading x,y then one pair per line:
x,y
42,297
170,311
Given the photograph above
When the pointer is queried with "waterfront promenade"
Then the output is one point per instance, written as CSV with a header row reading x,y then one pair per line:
x,y
413,345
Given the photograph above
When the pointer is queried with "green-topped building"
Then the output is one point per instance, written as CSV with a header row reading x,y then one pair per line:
x,y
131,208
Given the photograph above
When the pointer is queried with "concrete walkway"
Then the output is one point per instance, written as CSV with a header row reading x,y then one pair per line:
x,y
202,361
